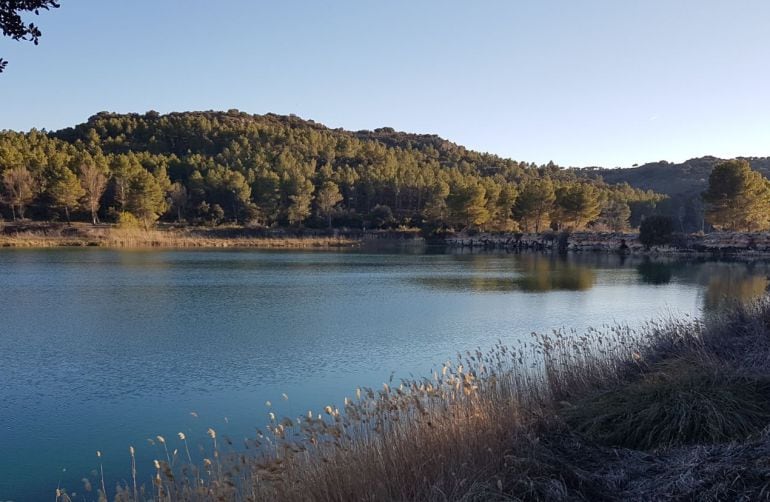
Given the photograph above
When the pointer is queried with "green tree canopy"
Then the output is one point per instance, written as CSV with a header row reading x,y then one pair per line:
x,y
301,198
65,189
535,203
468,204
327,198
265,170
577,205
738,198
146,199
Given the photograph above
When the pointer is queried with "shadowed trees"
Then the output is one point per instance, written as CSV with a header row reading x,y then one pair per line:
x,y
178,199
615,215
656,230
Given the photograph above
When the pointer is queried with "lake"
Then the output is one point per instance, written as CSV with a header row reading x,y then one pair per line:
x,y
102,349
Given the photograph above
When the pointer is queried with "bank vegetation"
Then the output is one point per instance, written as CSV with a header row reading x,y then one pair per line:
x,y
676,410
115,236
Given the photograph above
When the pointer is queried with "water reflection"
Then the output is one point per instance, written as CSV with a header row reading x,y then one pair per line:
x,y
540,274
724,283
654,272
735,283
530,273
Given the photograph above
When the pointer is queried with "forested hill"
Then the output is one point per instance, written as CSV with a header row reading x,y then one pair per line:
x,y
213,167
213,133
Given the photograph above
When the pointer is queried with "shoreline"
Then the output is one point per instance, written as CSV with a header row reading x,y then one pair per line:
x,y
57,235
717,244
178,243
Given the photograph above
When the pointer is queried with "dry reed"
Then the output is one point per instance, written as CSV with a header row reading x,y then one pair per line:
x,y
116,237
534,422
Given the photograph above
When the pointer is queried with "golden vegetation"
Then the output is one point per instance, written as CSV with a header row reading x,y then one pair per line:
x,y
676,410
132,237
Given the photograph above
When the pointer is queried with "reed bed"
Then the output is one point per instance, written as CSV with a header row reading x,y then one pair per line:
x,y
675,410
115,237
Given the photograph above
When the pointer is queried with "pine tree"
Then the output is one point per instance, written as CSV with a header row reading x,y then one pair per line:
x,y
299,208
65,190
577,204
178,199
738,199
467,202
326,199
535,203
146,199
616,214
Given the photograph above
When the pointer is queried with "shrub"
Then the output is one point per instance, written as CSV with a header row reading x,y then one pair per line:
x,y
679,402
656,231
128,220
381,216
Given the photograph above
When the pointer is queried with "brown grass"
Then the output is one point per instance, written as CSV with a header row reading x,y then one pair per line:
x,y
115,237
677,410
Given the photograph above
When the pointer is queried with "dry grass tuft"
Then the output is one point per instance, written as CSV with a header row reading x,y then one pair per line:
x,y
677,402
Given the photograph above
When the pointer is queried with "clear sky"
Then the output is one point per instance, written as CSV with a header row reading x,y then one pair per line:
x,y
589,82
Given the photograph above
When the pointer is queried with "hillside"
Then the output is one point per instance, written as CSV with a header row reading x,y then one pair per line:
x,y
213,133
682,183
689,177
204,168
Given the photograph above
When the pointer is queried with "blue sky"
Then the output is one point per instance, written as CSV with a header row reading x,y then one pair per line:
x,y
590,82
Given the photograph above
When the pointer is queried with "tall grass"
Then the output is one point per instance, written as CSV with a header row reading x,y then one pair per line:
x,y
117,237
674,410
139,238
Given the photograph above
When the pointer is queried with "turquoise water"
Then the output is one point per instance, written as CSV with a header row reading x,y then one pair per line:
x,y
102,349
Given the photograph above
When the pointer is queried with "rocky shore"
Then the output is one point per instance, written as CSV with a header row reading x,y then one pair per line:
x,y
721,243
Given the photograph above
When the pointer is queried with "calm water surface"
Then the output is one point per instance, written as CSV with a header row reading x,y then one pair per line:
x,y
103,349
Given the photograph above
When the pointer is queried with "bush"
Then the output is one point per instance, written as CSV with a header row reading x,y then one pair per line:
x,y
656,231
128,220
679,402
381,216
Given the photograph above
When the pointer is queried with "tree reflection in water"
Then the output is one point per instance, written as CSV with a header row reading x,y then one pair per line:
x,y
529,272
734,284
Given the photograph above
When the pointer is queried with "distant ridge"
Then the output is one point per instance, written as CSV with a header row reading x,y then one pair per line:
x,y
673,179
